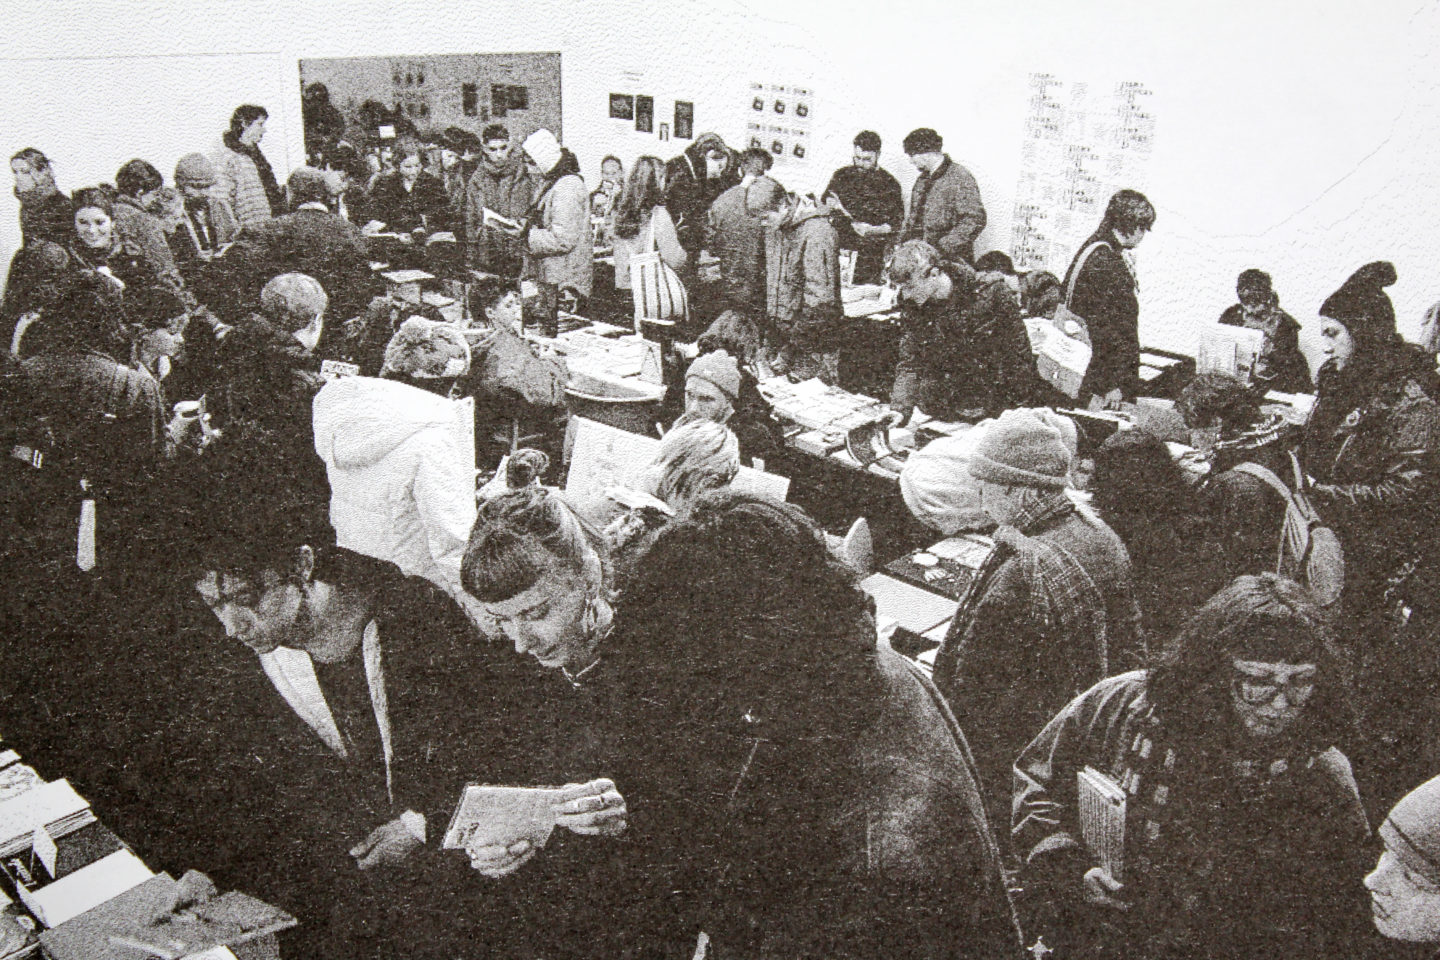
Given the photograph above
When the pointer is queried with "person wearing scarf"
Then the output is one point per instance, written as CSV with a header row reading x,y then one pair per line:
x,y
246,181
500,183
558,241
1243,833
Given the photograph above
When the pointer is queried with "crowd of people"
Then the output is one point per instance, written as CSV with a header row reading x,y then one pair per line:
x,y
276,599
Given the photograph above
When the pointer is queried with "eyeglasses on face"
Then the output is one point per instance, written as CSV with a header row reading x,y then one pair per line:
x,y
1256,690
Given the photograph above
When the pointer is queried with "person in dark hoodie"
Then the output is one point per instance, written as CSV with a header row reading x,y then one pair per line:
x,y
1372,447
1280,366
693,180
964,352
502,184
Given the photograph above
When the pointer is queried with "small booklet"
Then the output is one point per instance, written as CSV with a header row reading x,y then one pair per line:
x,y
500,816
1101,804
492,219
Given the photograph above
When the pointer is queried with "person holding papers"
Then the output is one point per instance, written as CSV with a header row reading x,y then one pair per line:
x,y
872,205
964,353
535,566
501,183
1281,366
1240,832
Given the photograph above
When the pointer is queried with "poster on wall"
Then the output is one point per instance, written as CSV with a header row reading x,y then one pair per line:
x,y
644,114
1081,144
622,106
778,118
684,120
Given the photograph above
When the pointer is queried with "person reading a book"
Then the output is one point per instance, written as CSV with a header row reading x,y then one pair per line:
x,y
1201,807
1405,884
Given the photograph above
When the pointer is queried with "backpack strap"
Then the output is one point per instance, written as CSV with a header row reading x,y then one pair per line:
x,y
1268,476
1080,265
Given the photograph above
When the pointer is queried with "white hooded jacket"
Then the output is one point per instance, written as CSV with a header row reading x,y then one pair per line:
x,y
401,463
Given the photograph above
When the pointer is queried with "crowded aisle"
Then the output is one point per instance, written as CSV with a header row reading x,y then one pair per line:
x,y
471,542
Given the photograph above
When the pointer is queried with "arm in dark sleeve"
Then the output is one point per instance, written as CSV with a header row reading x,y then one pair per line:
x,y
894,205
1105,297
1408,482
958,243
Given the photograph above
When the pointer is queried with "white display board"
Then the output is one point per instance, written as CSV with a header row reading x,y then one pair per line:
x,y
1082,143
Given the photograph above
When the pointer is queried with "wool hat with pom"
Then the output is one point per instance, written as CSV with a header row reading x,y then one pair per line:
x,y
1020,449
427,350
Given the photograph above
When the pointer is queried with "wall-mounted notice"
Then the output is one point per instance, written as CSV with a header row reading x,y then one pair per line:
x,y
779,118
645,114
622,106
684,120
1082,143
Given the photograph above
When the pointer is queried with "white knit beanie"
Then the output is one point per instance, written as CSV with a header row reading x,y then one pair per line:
x,y
542,147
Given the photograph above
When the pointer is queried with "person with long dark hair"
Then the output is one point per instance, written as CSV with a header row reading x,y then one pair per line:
x,y
1106,296
642,223
246,181
409,199
837,814
1372,447
1243,832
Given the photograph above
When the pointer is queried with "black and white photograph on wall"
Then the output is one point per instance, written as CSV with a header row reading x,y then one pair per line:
x,y
622,106
696,481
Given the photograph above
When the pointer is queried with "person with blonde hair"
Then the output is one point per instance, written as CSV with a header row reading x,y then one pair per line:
x,y
693,460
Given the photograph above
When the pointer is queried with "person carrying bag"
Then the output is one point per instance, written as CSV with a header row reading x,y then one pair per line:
x,y
658,291
1065,355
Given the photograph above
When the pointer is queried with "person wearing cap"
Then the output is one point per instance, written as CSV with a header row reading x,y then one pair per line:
x,y
1372,450
1405,884
1280,366
964,352
209,225
1054,609
310,239
500,183
1243,834
718,390
945,207
400,455
559,245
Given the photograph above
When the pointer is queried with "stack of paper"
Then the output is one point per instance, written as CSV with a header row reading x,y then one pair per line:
x,y
53,805
86,888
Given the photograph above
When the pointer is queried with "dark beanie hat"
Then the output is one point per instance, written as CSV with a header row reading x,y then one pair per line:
x,y
1362,304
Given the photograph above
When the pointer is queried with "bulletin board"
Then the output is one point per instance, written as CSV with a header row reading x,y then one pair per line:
x,y
1082,143
520,90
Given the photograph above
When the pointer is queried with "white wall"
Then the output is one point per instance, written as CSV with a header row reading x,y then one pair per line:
x,y
1293,138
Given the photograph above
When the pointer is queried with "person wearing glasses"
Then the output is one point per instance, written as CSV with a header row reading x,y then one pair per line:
x,y
1243,831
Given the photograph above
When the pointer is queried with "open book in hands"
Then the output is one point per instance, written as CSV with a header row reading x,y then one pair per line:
x,y
502,223
503,816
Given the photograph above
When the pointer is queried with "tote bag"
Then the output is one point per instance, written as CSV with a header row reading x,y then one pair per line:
x,y
1064,356
658,290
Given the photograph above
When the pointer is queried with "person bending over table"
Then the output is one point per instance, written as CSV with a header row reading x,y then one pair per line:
x,y
964,353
